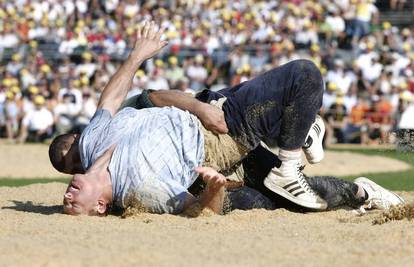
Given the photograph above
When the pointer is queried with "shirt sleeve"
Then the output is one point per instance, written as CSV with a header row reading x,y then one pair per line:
x,y
144,101
162,196
92,135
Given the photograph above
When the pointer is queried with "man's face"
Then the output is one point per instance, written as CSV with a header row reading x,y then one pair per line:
x,y
81,196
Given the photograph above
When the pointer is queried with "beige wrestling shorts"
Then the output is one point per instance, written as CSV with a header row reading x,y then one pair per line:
x,y
222,152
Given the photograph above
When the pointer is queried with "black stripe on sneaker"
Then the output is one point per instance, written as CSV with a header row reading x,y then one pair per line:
x,y
298,193
294,189
317,129
290,184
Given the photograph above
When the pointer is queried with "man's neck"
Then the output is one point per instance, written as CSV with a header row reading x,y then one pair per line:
x,y
99,170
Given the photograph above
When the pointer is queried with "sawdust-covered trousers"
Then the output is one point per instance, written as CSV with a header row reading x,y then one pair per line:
x,y
254,194
277,107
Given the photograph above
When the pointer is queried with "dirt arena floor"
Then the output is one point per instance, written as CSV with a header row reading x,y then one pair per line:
x,y
34,232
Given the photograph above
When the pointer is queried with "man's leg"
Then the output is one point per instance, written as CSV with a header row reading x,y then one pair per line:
x,y
334,191
279,107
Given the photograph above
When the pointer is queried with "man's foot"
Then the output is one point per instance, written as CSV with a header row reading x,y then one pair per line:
x,y
313,145
378,197
291,184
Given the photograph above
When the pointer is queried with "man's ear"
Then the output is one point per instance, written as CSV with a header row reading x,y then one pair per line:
x,y
101,207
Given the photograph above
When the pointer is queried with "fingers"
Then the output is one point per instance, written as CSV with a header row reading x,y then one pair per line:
x,y
146,29
151,32
159,33
139,32
211,176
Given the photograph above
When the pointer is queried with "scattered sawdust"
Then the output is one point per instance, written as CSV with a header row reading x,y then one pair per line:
x,y
396,213
196,210
34,232
133,209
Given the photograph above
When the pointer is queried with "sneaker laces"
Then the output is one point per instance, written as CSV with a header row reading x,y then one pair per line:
x,y
302,181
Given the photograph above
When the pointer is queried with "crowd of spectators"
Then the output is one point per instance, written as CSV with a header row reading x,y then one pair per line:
x,y
57,55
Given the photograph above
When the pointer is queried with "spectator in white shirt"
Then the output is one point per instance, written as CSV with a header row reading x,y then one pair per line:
x,y
37,125
197,73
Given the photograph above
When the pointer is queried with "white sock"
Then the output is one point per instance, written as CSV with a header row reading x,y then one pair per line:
x,y
286,155
288,158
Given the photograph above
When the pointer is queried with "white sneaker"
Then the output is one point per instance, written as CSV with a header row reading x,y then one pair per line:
x,y
378,197
313,145
292,185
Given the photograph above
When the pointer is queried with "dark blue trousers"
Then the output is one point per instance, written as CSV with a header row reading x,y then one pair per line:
x,y
277,107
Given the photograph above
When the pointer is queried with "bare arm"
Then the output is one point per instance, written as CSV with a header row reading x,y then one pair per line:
x,y
210,116
148,44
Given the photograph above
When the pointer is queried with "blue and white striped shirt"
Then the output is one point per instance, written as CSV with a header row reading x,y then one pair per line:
x,y
157,150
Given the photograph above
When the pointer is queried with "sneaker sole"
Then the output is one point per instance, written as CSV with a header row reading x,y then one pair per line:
x,y
282,192
368,181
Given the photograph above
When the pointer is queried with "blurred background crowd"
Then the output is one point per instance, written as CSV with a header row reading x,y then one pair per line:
x,y
57,55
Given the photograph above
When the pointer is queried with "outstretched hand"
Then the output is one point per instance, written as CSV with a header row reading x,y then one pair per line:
x,y
211,177
148,41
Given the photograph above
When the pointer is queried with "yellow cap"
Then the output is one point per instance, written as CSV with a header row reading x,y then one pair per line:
x,y
84,80
101,23
370,45
129,31
403,85
140,73
14,81
406,32
406,95
162,11
173,60
339,101
76,83
315,48
33,44
307,23
386,25
332,86
31,24
241,26
80,23
86,55
172,34
33,90
407,47
246,68
199,58
248,16
45,68
159,63
60,22
323,70
39,100
24,72
16,57
9,95
198,33
15,89
177,24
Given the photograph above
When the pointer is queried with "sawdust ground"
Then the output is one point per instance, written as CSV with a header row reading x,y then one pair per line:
x,y
33,232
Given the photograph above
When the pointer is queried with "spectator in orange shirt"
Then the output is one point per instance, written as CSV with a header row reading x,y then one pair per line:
x,y
379,120
356,131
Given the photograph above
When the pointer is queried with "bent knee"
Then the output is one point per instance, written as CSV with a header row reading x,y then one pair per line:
x,y
309,73
306,66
